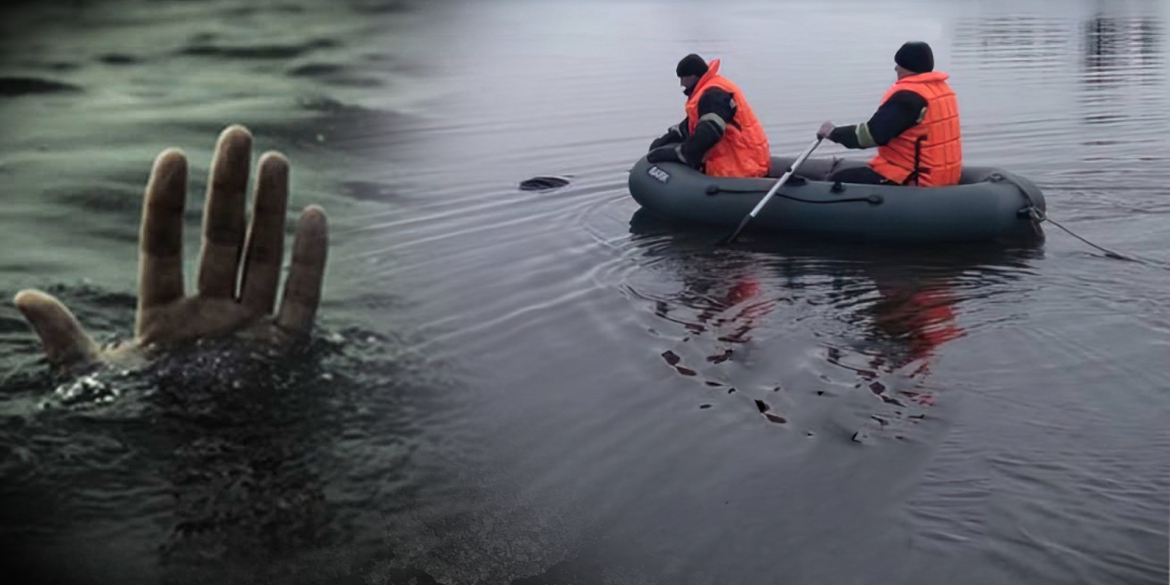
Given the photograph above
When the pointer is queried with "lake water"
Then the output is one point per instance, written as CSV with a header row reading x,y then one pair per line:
x,y
552,387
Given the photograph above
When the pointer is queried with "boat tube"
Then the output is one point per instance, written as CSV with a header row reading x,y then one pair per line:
x,y
988,204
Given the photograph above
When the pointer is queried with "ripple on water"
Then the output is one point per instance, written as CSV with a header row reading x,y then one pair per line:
x,y
237,458
258,51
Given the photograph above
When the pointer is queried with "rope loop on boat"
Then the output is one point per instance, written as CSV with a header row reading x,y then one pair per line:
x,y
1038,216
873,199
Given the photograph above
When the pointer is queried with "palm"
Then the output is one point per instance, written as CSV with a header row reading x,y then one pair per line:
x,y
238,271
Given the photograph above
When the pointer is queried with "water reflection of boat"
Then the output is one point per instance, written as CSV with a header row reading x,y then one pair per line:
x,y
882,312
989,203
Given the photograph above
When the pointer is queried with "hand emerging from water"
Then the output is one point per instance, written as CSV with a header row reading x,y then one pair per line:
x,y
238,272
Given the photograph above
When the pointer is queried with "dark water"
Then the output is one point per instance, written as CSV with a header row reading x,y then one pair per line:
x,y
516,386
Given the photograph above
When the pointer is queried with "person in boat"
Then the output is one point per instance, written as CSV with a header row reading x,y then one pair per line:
x,y
915,129
720,135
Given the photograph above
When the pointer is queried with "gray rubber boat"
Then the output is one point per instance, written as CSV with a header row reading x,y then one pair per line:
x,y
988,204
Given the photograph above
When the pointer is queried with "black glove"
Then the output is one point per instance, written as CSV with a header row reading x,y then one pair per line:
x,y
668,153
672,136
664,140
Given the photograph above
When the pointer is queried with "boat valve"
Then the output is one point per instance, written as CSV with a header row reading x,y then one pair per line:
x,y
875,199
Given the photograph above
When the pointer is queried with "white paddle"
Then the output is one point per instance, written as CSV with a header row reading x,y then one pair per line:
x,y
784,179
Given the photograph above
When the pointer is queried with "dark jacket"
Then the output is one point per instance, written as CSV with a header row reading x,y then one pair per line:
x,y
707,133
898,114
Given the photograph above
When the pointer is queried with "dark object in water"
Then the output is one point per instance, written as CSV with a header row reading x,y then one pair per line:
x,y
671,357
543,183
763,406
18,86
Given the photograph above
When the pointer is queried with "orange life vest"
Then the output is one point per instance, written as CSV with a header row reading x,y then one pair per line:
x,y
743,150
929,154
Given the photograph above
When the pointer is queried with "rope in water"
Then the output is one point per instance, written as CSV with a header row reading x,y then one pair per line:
x,y
1038,215
1108,253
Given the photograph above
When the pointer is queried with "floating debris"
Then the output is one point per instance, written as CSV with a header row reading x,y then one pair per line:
x,y
704,406
543,183
671,357
763,406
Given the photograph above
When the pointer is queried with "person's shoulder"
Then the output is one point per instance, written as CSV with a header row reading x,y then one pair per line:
x,y
907,96
715,90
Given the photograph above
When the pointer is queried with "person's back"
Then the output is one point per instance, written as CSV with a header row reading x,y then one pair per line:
x,y
930,153
721,135
916,128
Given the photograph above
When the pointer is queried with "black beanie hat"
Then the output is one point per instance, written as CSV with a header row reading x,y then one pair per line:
x,y
915,56
691,65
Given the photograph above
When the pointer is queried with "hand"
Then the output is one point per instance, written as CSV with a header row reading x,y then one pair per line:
x,y
673,136
669,153
228,299
826,129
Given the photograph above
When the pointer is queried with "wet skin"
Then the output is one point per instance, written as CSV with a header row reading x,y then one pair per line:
x,y
239,270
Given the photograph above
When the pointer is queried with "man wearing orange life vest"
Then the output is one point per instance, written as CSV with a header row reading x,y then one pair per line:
x,y
916,128
720,135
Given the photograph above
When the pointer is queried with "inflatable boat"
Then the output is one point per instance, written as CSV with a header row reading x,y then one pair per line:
x,y
988,203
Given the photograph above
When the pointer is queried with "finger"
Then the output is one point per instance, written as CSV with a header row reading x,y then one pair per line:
x,y
61,335
223,214
265,247
302,290
160,261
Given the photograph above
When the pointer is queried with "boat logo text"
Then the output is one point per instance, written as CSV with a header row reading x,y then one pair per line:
x,y
659,174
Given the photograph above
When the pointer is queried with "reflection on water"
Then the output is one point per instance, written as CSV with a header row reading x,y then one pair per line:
x,y
1123,72
1121,50
896,307
1032,42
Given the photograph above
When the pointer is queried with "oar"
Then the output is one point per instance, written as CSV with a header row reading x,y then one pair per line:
x,y
784,179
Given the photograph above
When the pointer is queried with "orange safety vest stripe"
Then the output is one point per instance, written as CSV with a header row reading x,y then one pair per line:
x,y
743,150
930,153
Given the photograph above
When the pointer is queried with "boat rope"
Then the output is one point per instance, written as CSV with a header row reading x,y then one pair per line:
x,y
1108,253
1039,216
871,199
1032,211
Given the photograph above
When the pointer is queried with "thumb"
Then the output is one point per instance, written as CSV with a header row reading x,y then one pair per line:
x,y
64,340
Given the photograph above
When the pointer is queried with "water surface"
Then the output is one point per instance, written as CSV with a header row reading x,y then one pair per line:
x,y
519,386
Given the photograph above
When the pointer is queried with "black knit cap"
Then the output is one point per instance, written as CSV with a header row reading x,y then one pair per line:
x,y
915,56
691,65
